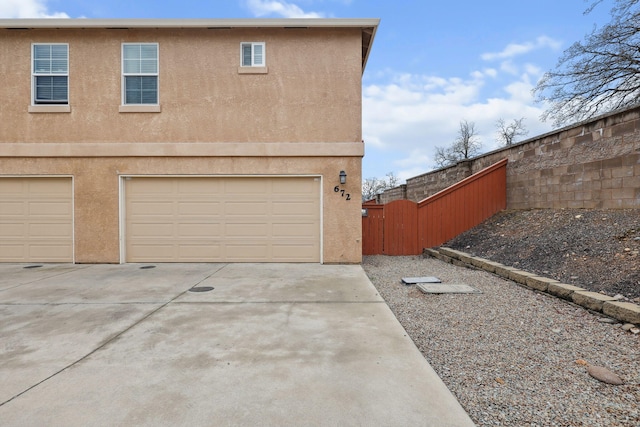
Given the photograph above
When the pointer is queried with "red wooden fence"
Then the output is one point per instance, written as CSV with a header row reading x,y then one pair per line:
x,y
372,229
403,227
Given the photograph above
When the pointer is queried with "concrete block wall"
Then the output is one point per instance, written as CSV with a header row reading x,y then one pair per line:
x,y
425,185
594,164
396,193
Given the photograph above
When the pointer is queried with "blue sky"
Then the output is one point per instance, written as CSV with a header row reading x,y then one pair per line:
x,y
433,63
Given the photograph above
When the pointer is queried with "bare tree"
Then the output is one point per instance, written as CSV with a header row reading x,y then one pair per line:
x,y
444,157
371,187
509,132
465,146
598,75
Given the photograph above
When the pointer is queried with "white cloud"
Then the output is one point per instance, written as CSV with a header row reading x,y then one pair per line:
x,y
412,165
487,72
532,70
516,49
509,67
520,90
415,158
407,117
11,9
261,8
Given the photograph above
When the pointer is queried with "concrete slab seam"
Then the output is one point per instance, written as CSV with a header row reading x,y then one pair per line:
x,y
45,278
104,343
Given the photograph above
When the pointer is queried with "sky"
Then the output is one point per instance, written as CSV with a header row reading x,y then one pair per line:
x,y
433,63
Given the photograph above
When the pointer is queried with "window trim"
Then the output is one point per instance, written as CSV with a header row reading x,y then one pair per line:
x,y
130,107
253,64
53,106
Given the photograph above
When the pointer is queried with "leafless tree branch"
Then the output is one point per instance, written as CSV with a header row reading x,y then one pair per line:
x,y
508,133
465,146
599,74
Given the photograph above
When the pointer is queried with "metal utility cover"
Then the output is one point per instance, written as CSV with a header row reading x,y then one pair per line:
x,y
201,289
412,280
430,288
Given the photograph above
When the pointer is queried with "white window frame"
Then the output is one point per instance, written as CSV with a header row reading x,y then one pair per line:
x,y
35,74
253,54
155,74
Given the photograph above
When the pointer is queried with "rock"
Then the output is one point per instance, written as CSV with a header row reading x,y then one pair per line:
x,y
627,327
635,330
624,311
582,362
607,320
604,375
591,300
618,297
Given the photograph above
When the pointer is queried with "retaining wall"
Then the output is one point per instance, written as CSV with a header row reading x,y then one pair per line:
x,y
594,164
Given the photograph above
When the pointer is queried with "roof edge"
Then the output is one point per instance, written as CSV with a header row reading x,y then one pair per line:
x,y
368,26
186,23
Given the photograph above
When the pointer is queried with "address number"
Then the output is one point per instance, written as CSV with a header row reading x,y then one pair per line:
x,y
337,189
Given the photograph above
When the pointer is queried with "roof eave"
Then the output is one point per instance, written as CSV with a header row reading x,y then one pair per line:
x,y
368,26
186,23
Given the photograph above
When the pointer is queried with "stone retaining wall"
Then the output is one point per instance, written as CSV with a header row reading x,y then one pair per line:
x,y
594,164
609,306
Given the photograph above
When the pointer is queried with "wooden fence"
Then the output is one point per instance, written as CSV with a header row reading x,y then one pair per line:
x,y
403,227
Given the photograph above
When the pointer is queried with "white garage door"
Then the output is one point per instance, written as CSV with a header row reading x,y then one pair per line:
x,y
36,220
205,219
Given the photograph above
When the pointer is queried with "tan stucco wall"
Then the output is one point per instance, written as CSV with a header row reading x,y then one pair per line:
x,y
303,117
311,92
97,194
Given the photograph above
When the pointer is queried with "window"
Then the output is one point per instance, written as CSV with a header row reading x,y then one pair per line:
x,y
252,54
140,73
50,70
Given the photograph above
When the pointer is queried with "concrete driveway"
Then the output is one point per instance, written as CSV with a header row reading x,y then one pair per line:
x,y
270,345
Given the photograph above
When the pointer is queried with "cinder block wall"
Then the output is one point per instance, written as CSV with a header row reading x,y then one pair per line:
x,y
594,164
396,193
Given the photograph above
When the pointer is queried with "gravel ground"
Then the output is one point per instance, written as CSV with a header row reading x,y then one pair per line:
x,y
512,356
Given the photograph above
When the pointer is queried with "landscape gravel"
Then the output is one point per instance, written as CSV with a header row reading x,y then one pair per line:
x,y
513,356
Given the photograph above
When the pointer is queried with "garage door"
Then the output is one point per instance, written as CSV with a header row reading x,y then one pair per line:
x,y
205,219
36,220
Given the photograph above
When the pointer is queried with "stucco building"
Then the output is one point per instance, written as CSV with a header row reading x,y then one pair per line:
x,y
181,140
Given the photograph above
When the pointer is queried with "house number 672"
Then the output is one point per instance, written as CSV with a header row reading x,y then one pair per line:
x,y
337,189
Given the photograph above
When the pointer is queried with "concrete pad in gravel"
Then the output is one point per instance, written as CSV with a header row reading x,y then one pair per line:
x,y
442,288
422,279
269,345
